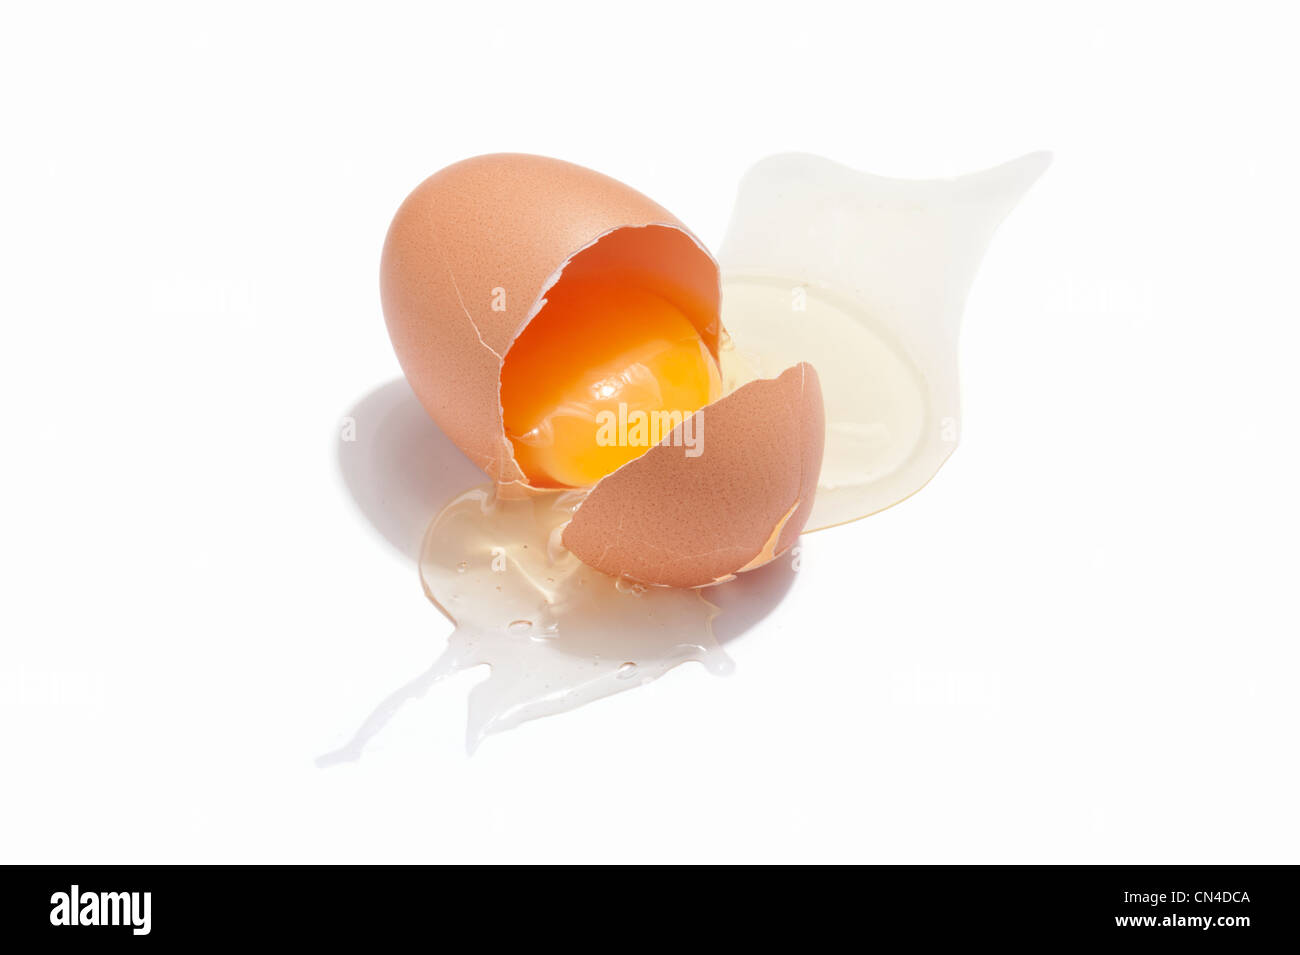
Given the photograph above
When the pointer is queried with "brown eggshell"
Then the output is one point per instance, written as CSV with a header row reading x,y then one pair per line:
x,y
666,518
471,253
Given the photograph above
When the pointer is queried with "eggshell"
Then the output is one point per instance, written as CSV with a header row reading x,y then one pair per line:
x,y
469,257
671,519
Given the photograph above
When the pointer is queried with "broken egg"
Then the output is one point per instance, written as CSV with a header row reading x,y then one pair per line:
x,y
564,331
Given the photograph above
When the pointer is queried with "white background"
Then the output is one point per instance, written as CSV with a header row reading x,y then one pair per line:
x,y
1078,644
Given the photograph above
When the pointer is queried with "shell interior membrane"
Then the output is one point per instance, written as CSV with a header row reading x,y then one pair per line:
x,y
864,278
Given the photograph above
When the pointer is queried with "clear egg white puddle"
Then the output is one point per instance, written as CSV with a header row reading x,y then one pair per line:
x,y
865,278
555,633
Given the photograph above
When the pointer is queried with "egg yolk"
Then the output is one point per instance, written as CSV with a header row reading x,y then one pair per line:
x,y
601,374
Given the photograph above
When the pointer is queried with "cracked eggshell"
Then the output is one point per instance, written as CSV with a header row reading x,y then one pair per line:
x,y
670,519
469,257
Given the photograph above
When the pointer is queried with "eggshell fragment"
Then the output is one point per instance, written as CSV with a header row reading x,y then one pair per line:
x,y
469,258
670,519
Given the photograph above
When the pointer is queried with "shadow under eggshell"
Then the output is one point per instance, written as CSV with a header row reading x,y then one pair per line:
x,y
670,519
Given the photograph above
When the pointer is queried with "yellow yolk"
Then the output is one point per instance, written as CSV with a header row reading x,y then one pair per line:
x,y
597,378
